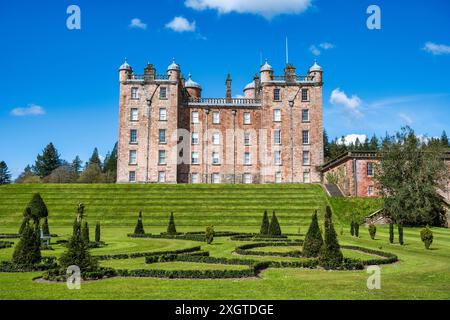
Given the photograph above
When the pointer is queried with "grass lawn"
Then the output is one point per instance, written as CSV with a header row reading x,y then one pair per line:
x,y
420,273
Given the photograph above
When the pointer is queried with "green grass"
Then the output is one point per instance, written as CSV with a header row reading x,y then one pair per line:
x,y
348,209
419,274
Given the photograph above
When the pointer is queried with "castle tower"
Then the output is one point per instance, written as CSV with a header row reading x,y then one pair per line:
x,y
316,72
173,71
125,71
193,88
266,72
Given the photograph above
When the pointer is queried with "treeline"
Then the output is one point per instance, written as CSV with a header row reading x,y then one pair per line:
x,y
50,168
337,147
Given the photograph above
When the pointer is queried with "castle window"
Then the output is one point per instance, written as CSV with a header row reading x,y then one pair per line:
x,y
162,136
215,138
306,158
305,137
163,93
134,114
133,157
161,176
162,157
216,118
305,115
278,157
277,137
247,178
162,114
132,176
369,169
277,115
247,138
134,93
215,158
370,191
195,117
216,178
276,95
247,159
194,158
305,95
195,178
247,119
195,138
306,177
133,136
278,177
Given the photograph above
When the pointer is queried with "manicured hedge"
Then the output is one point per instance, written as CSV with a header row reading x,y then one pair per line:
x,y
189,274
9,236
61,275
243,250
145,254
45,264
388,257
6,244
192,237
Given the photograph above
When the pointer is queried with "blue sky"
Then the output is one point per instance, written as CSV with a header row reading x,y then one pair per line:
x,y
61,85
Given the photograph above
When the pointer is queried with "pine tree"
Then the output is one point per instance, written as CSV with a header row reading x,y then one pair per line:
x,y
171,229
444,139
36,209
313,239
27,252
139,229
391,232
400,234
274,227
265,224
5,176
95,158
373,144
110,165
45,228
85,232
330,256
47,162
77,165
97,232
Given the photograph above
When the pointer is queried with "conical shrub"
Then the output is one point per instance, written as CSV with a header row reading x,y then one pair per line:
x,y
171,229
274,227
330,256
45,228
97,232
313,240
265,224
85,232
139,229
27,252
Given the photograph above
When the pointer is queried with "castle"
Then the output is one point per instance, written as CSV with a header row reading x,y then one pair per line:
x,y
169,133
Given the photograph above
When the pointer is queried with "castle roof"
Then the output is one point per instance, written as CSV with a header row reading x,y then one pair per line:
x,y
125,66
173,66
266,67
315,67
251,85
192,84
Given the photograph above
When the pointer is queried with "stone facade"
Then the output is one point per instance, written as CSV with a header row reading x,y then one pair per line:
x,y
273,134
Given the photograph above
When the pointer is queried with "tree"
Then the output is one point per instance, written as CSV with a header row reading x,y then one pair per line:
x,y
79,218
27,176
265,224
85,232
36,209
373,144
92,174
27,252
5,176
391,232
372,231
78,253
444,139
95,158
77,165
97,232
62,174
45,228
25,221
110,165
326,146
330,256
171,229
400,234
427,236
47,162
209,234
274,227
139,229
313,239
410,175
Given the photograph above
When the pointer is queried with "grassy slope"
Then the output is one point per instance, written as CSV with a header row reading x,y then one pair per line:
x,y
348,209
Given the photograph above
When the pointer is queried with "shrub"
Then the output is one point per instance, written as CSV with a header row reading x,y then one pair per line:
x,y
391,232
265,224
36,208
313,240
352,228
26,219
427,237
372,231
85,232
97,232
27,252
356,226
330,256
171,229
139,229
209,235
45,229
400,234
274,227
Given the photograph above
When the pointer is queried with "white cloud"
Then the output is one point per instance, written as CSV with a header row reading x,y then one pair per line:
x,y
314,50
352,104
181,24
30,110
436,49
266,8
137,24
326,45
351,138
405,118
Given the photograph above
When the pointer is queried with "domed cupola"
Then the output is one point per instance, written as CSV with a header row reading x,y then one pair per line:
x,y
266,67
251,85
125,66
192,84
173,66
315,67
193,88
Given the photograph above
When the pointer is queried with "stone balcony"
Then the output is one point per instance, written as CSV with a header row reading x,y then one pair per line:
x,y
223,102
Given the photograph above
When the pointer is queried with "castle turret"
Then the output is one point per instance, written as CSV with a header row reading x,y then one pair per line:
x,y
228,84
125,71
173,71
290,73
149,72
193,88
316,72
266,72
